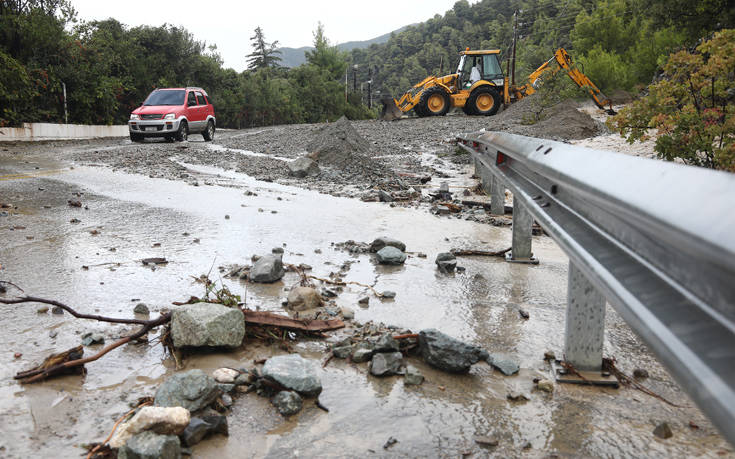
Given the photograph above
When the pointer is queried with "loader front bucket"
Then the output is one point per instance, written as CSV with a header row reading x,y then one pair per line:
x,y
390,109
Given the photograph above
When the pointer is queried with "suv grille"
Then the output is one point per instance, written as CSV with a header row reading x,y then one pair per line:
x,y
154,116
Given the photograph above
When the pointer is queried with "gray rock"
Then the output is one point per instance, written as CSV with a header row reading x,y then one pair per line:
x,y
207,324
347,313
302,167
303,298
200,428
342,352
141,308
386,343
277,250
267,269
385,196
226,388
149,445
385,241
385,364
57,310
361,354
364,300
293,372
287,402
663,430
446,353
388,294
92,338
390,256
413,376
226,400
545,385
446,262
505,364
191,389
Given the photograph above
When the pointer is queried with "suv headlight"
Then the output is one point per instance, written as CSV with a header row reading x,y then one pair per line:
x,y
170,116
133,116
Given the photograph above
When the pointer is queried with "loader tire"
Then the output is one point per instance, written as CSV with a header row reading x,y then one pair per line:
x,y
484,101
434,102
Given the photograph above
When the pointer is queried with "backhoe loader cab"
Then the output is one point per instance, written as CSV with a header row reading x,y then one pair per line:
x,y
487,67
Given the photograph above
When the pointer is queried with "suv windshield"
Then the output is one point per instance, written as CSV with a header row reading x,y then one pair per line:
x,y
168,97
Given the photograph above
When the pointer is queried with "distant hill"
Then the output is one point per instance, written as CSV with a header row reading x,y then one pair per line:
x,y
293,57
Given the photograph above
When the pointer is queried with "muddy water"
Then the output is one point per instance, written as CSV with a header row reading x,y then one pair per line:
x,y
137,217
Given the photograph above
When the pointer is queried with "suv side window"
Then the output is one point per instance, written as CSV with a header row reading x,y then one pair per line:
x,y
200,98
191,100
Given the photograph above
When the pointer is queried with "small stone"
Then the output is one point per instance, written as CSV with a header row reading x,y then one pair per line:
x,y
57,310
227,217
191,389
503,363
267,269
390,256
545,385
225,375
391,441
244,378
386,343
342,352
161,420
413,376
385,364
303,298
385,241
293,372
288,403
92,338
388,294
226,388
446,262
421,255
42,310
364,300
53,333
361,355
524,314
347,313
141,308
486,440
200,428
149,445
549,355
663,431
277,250
640,373
517,396
226,400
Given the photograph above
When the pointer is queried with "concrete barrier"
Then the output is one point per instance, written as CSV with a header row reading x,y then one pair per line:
x,y
49,131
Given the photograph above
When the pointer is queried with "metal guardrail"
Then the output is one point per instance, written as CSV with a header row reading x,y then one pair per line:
x,y
654,239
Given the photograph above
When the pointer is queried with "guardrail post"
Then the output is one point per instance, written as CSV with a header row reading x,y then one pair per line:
x,y
497,196
585,325
522,226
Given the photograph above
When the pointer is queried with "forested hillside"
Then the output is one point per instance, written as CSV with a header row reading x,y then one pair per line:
x,y
108,68
620,43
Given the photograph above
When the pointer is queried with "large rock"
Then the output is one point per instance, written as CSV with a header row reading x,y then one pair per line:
x,y
446,353
303,298
302,167
385,364
386,343
267,269
191,389
385,241
293,372
160,420
149,445
200,428
390,256
207,324
287,402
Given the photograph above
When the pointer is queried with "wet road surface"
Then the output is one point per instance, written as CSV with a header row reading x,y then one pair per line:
x,y
94,266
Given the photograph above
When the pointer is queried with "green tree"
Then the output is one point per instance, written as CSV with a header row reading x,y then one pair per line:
x,y
325,56
264,55
692,107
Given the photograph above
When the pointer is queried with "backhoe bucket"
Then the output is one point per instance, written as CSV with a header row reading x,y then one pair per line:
x,y
390,109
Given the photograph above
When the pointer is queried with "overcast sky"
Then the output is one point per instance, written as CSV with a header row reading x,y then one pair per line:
x,y
230,24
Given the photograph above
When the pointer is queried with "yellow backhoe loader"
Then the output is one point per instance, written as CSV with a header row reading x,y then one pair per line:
x,y
479,87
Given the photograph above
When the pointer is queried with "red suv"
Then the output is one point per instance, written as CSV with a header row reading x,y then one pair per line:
x,y
173,113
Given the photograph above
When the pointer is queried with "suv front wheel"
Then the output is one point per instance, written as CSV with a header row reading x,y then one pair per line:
x,y
208,133
183,133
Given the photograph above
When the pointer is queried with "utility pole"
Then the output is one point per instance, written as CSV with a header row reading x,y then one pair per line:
x,y
354,78
515,38
370,87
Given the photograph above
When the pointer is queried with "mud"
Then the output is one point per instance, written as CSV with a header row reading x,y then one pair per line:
x,y
138,216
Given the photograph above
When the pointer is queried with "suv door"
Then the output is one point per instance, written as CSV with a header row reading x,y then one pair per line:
x,y
193,112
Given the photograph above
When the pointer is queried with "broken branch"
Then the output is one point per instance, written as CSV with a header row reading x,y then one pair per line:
x,y
78,315
486,253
